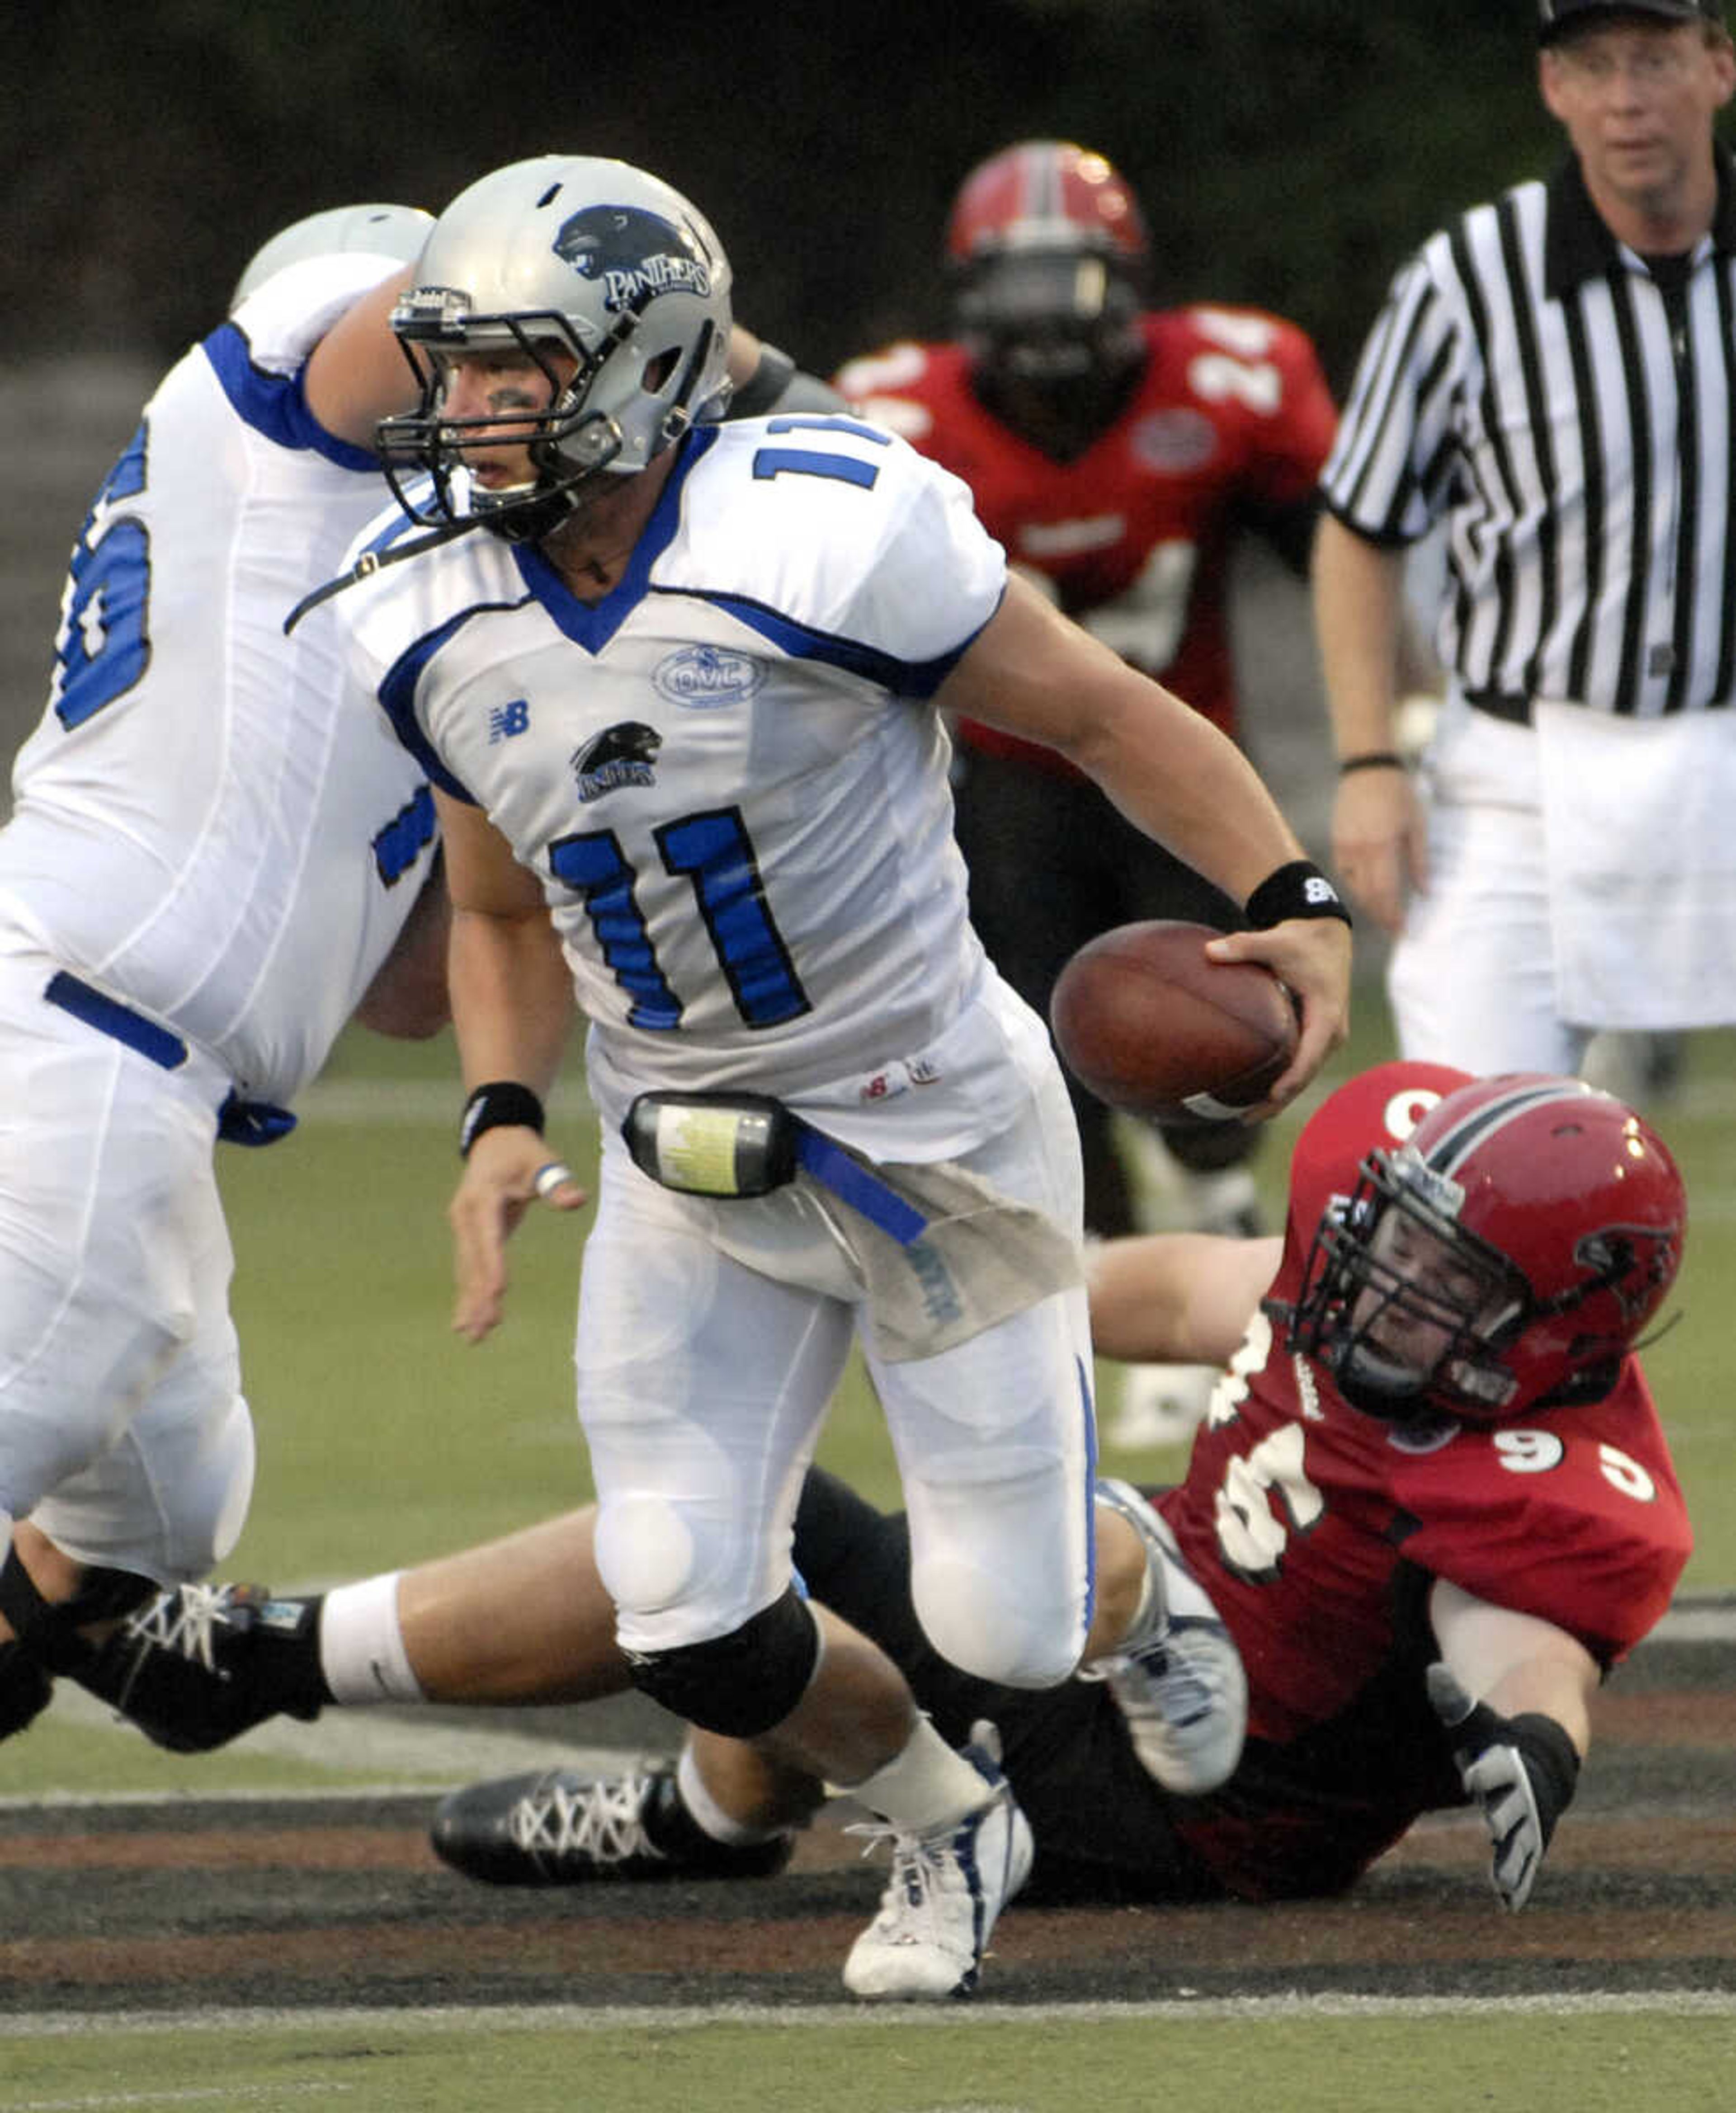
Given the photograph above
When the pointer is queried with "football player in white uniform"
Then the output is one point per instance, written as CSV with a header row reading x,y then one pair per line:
x,y
681,713
213,863
681,706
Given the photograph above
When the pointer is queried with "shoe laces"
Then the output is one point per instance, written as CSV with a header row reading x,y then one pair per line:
x,y
926,1873
185,1622
603,1820
1161,1678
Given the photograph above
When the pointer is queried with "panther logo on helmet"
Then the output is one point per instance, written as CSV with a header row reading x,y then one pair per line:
x,y
635,255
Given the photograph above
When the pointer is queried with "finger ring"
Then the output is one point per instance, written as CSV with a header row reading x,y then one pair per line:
x,y
551,1176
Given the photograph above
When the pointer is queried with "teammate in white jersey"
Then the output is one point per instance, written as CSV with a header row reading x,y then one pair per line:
x,y
681,713
212,864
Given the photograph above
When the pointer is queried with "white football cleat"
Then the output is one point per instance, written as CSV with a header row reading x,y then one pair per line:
x,y
945,1895
1178,1678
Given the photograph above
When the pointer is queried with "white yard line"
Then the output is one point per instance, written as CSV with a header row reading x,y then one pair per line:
x,y
574,2017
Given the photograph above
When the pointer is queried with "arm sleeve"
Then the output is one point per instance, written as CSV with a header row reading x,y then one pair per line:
x,y
778,384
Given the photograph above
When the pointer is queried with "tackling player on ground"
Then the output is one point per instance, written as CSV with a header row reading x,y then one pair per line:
x,y
1431,1505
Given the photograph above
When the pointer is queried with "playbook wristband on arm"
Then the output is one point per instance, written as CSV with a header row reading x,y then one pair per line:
x,y
502,1103
1299,889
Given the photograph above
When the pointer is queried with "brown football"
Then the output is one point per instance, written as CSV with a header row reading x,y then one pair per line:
x,y
1147,1022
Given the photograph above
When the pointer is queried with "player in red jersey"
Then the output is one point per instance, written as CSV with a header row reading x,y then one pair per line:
x,y
1432,1470
1432,1504
1116,452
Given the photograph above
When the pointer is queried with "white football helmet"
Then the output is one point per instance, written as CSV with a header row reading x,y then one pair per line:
x,y
383,230
591,258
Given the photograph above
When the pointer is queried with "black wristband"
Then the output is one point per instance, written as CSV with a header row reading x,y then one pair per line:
x,y
1372,759
1551,1761
495,1106
1299,889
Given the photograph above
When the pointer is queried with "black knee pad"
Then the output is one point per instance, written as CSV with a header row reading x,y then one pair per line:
x,y
741,1684
1208,1148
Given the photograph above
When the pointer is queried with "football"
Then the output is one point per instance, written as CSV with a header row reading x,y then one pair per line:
x,y
1145,1019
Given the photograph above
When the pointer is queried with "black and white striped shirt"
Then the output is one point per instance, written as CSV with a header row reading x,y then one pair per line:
x,y
1572,415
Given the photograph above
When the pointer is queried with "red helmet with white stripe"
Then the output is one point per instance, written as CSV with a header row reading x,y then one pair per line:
x,y
1046,245
1503,1260
1044,194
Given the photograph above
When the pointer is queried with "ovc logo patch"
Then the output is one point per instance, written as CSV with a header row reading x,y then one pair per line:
x,y
702,679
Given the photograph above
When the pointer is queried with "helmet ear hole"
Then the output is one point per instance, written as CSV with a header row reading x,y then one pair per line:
x,y
655,378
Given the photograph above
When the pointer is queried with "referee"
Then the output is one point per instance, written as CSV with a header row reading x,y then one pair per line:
x,y
1553,377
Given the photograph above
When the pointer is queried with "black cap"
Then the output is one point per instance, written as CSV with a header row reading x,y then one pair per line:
x,y
1555,16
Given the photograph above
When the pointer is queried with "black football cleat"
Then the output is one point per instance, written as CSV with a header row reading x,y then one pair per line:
x,y
560,1829
196,1667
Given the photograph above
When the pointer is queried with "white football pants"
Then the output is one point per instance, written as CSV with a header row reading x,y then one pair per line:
x,y
703,1380
124,1433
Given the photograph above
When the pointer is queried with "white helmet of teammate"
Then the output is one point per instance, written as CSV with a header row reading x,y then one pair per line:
x,y
383,230
591,259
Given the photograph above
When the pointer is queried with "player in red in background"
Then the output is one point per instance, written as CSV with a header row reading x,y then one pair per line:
x,y
1116,452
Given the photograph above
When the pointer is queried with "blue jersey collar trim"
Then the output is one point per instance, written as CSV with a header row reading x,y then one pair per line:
x,y
593,624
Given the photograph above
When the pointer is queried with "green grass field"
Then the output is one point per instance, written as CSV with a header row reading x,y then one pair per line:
x,y
942,2061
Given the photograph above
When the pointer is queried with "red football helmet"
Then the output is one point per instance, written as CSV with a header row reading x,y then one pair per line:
x,y
1046,245
1525,1232
1044,194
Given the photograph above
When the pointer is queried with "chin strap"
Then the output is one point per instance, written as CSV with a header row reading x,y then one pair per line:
x,y
372,561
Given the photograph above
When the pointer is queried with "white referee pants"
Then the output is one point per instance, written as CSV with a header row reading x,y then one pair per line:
x,y
1472,978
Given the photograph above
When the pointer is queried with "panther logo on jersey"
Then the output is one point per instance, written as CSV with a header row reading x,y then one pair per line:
x,y
635,255
621,755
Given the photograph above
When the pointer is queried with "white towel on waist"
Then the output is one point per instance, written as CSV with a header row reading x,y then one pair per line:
x,y
1639,819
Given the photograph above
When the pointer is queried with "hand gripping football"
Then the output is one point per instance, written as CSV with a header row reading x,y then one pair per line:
x,y
1145,1019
